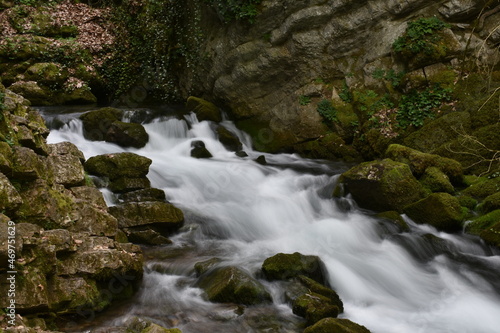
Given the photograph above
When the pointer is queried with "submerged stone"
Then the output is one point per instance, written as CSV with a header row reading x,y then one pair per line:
x,y
314,307
232,285
229,139
198,150
337,325
284,266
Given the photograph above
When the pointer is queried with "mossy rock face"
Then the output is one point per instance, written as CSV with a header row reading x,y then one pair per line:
x,y
97,123
475,150
115,166
330,146
320,289
440,210
145,235
284,266
436,181
419,162
330,325
46,73
443,129
492,234
127,184
232,285
10,199
229,139
314,307
33,92
127,134
203,109
483,188
383,185
25,47
490,203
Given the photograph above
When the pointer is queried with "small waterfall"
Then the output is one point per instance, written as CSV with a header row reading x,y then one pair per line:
x,y
243,212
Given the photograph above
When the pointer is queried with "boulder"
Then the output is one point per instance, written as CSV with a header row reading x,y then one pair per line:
x,y
419,162
5,158
383,185
27,165
145,235
114,166
283,266
490,203
483,188
127,134
492,234
317,288
148,194
330,146
483,222
162,214
261,160
229,139
67,169
33,92
337,325
203,109
90,195
314,307
198,150
440,210
76,95
97,123
94,220
232,285
126,184
436,181
203,266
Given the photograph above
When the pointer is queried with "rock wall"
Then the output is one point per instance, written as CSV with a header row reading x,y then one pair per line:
x,y
69,255
309,48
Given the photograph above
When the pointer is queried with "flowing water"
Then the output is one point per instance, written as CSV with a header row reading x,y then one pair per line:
x,y
243,212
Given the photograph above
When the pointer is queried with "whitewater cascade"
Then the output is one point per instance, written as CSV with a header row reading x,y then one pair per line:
x,y
243,212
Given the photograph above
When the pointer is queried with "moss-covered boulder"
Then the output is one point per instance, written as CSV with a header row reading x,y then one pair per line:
x,y
97,123
383,185
228,139
119,165
433,134
127,184
475,150
203,109
314,307
145,235
330,146
483,187
492,234
47,73
436,181
395,218
440,210
198,150
133,214
127,134
419,162
337,325
232,285
33,92
75,93
283,266
10,199
490,203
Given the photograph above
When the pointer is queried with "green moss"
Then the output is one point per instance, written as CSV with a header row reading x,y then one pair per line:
x,y
330,146
203,109
320,289
483,188
467,201
479,224
283,266
492,234
395,218
314,307
490,203
440,210
436,181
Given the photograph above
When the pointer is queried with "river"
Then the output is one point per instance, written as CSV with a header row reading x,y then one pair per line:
x,y
243,212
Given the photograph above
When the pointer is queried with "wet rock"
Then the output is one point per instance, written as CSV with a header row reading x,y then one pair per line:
x,y
320,289
46,73
241,153
490,203
232,285
97,123
149,194
203,109
436,181
203,266
127,134
440,210
66,168
198,150
126,184
314,307
383,185
336,325
284,266
229,139
483,188
419,162
118,165
261,160
396,219
89,194
163,215
145,235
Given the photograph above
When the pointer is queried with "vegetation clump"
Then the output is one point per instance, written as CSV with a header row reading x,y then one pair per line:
x,y
239,10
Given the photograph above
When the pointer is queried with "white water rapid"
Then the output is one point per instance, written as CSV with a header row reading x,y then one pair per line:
x,y
243,212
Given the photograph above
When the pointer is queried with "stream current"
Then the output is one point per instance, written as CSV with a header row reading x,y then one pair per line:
x,y
243,212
